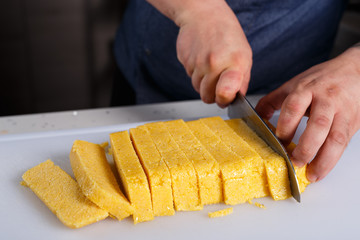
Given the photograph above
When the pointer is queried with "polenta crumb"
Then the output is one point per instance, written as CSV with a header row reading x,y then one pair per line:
x,y
259,205
23,183
221,213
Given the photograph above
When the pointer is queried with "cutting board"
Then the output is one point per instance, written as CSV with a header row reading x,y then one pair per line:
x,y
329,209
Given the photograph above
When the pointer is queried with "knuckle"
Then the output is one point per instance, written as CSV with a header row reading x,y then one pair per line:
x,y
293,105
302,152
223,94
322,121
303,84
339,137
213,61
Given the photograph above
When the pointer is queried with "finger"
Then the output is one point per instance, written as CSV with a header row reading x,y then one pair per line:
x,y
196,79
331,151
271,102
292,110
245,83
228,85
207,87
315,133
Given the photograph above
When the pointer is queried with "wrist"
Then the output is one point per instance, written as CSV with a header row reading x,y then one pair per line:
x,y
353,54
183,11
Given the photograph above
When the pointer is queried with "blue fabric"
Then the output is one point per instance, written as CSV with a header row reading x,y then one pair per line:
x,y
286,36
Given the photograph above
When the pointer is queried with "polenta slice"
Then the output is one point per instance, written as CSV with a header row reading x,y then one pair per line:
x,y
132,176
300,172
183,177
96,180
257,180
62,195
206,167
156,170
234,169
275,165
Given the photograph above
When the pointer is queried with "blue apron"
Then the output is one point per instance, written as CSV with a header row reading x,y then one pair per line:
x,y
286,36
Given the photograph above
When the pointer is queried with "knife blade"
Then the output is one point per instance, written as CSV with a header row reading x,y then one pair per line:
x,y
241,108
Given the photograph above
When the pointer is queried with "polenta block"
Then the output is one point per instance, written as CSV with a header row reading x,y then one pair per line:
x,y
233,168
96,180
206,167
132,176
257,180
62,195
156,170
183,177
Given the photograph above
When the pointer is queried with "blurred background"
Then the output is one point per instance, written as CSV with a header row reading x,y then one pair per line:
x,y
57,55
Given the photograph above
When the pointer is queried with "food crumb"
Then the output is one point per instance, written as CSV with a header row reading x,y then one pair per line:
x,y
259,205
23,183
221,213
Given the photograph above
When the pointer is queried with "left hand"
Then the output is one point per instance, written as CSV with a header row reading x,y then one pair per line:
x,y
329,94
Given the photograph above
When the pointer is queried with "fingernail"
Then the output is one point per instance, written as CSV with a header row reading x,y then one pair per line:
x,y
297,163
311,177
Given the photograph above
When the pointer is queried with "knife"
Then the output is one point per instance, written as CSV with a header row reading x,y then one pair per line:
x,y
241,108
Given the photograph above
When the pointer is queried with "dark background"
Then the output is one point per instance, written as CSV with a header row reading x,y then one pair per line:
x,y
57,55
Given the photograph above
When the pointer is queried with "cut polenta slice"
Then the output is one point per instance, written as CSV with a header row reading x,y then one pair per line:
x,y
96,180
183,177
62,195
156,170
206,167
132,176
233,168
257,180
275,165
300,172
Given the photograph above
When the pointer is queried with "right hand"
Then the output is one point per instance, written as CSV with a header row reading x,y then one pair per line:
x,y
214,51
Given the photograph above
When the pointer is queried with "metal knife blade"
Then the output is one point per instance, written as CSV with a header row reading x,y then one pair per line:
x,y
241,108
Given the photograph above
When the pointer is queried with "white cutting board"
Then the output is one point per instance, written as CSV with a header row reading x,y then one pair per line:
x,y
329,209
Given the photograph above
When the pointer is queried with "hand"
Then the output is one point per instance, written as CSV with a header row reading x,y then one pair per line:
x,y
214,51
329,94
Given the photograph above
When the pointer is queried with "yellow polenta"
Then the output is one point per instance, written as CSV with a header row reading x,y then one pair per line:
x,y
206,167
62,195
96,180
234,169
257,181
156,170
275,165
300,172
276,169
221,213
132,176
183,177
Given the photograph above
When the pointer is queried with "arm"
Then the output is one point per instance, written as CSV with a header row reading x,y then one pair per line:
x,y
329,94
212,47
